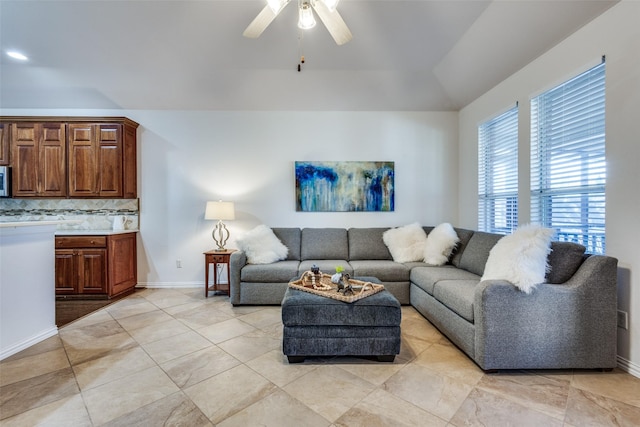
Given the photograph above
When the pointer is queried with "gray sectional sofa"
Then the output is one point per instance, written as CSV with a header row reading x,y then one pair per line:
x,y
567,322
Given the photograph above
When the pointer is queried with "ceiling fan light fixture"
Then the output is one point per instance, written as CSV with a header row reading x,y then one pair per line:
x,y
326,10
331,4
306,20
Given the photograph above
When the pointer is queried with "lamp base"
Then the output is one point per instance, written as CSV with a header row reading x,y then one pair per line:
x,y
220,235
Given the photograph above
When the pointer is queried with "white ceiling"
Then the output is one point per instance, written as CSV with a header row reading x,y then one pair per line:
x,y
419,55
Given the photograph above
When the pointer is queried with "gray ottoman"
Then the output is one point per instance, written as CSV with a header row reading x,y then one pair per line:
x,y
318,326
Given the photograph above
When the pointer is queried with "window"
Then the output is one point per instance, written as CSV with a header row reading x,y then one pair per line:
x,y
568,170
498,173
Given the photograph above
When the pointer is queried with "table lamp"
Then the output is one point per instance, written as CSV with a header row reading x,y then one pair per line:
x,y
220,211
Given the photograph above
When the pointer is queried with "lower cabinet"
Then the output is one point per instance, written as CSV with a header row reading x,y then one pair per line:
x,y
95,265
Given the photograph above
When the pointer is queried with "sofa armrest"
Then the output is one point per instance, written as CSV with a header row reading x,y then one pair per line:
x,y
572,325
236,262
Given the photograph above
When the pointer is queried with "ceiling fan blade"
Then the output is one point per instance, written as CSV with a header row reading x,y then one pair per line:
x,y
261,22
334,23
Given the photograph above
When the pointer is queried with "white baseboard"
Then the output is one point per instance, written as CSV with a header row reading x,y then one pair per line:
x,y
629,366
169,285
26,343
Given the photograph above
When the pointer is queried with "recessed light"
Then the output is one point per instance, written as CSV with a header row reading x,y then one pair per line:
x,y
17,55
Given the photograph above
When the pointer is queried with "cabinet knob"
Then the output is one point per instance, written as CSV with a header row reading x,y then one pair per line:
x,y
92,242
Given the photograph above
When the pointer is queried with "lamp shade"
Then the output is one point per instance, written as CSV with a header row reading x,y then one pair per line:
x,y
220,210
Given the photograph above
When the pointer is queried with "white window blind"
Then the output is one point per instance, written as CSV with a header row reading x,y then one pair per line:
x,y
568,170
498,173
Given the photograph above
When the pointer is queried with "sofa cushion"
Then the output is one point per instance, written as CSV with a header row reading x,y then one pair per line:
x,y
406,243
564,260
290,237
464,235
385,270
326,266
324,243
262,246
426,277
367,244
281,271
476,251
521,257
440,244
457,295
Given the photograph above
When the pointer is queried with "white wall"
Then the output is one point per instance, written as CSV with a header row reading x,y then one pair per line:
x,y
615,34
188,158
27,286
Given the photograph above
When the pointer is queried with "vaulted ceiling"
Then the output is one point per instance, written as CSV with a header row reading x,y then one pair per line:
x,y
419,55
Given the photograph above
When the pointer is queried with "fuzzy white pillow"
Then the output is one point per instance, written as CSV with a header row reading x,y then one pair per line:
x,y
406,243
521,258
262,246
440,243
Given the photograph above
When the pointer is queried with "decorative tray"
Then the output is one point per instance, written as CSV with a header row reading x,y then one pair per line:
x,y
347,290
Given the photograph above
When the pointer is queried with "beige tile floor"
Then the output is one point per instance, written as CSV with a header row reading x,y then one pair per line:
x,y
172,357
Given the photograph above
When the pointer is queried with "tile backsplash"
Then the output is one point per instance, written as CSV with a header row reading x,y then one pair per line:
x,y
93,214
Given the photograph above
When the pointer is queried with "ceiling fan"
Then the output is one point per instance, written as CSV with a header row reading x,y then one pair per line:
x,y
326,10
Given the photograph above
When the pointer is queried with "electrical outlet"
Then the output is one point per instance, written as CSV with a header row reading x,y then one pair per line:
x,y
178,263
623,319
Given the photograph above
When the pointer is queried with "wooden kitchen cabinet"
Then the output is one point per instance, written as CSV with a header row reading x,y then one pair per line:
x,y
129,161
66,276
95,265
122,268
71,157
95,160
5,143
38,154
81,272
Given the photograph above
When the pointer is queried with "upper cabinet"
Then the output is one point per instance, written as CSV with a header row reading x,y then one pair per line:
x,y
84,157
38,159
95,160
4,144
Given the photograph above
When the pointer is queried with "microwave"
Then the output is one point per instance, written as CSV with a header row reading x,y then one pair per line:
x,y
5,181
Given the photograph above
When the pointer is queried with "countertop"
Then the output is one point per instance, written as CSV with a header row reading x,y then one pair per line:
x,y
92,232
62,232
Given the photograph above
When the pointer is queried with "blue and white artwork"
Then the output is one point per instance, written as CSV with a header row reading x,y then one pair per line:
x,y
344,186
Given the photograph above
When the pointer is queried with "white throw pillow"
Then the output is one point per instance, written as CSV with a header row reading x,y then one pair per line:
x,y
440,244
520,258
406,244
262,246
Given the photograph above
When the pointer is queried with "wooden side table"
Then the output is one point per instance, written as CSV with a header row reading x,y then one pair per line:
x,y
216,257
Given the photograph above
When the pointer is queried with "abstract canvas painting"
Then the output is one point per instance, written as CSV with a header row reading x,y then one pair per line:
x,y
349,186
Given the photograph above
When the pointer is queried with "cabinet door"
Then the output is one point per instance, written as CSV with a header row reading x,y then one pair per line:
x,y
38,159
129,163
24,155
52,156
122,263
4,144
83,160
66,275
110,160
92,271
